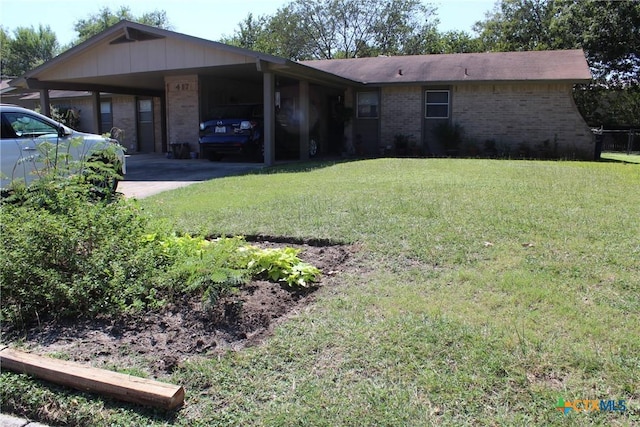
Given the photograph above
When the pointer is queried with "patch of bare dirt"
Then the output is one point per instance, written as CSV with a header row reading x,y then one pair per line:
x,y
158,342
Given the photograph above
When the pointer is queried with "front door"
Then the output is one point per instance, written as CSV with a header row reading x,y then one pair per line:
x,y
146,140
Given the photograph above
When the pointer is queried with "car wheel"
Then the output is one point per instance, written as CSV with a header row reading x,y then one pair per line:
x,y
313,147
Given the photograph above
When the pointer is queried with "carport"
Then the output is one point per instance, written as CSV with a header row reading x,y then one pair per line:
x,y
187,75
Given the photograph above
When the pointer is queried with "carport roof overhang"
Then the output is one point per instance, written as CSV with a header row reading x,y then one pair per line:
x,y
134,59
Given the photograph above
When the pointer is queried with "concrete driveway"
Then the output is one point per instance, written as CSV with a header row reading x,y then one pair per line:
x,y
149,174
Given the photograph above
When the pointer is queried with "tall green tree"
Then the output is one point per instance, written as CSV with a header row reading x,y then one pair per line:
x,y
353,28
249,33
435,42
402,27
277,35
28,48
609,32
105,18
326,29
516,25
5,39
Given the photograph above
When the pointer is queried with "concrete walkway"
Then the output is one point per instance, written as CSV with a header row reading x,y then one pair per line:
x,y
149,174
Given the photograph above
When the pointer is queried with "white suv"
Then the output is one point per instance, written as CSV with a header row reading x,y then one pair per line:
x,y
23,133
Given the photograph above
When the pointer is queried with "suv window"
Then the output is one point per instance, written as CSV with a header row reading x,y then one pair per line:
x,y
27,126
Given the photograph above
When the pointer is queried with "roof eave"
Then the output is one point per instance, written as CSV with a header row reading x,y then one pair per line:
x,y
469,82
122,28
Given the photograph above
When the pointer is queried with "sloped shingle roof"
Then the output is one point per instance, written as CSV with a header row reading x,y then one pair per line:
x,y
556,65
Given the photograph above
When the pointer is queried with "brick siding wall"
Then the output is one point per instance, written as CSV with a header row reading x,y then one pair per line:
x,y
123,109
401,113
183,114
533,119
529,119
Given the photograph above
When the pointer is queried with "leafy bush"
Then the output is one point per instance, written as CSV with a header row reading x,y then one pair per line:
x,y
450,135
63,252
97,171
70,246
199,266
214,267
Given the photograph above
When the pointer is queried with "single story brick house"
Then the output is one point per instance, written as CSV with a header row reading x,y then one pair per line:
x,y
158,85
520,103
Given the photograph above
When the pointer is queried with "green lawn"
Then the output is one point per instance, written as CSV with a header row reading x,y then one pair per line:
x,y
483,292
622,157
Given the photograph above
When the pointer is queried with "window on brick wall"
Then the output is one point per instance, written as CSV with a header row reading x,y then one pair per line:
x,y
106,117
437,104
368,105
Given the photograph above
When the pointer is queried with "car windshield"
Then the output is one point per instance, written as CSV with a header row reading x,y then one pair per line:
x,y
235,112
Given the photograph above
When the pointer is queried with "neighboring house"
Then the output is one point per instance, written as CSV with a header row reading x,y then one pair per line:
x,y
517,104
117,114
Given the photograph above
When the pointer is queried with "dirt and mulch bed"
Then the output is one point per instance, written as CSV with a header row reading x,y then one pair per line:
x,y
158,342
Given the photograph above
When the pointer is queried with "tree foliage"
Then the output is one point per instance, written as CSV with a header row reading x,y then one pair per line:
x,y
28,48
609,33
105,18
326,29
516,25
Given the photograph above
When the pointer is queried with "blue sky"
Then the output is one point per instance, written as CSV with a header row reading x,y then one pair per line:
x,y
208,19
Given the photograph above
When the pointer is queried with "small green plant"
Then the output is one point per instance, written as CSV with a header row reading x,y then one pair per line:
x,y
197,265
216,267
401,144
282,265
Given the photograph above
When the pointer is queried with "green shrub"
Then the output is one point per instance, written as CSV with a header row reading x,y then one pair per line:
x,y
71,247
450,135
95,173
63,254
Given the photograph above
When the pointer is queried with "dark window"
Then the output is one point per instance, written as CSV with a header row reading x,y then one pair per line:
x,y
106,116
145,111
368,105
437,104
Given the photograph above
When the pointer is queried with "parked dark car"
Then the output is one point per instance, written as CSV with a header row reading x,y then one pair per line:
x,y
232,129
238,130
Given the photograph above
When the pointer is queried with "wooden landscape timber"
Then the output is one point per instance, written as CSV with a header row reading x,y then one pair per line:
x,y
94,380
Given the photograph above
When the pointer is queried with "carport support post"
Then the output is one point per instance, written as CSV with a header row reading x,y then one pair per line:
x,y
95,120
269,118
304,120
45,107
